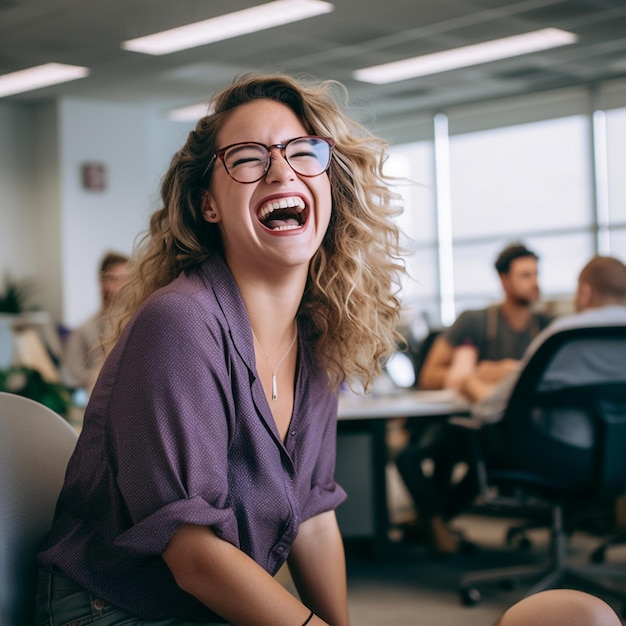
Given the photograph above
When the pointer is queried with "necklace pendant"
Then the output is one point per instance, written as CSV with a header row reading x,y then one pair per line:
x,y
275,372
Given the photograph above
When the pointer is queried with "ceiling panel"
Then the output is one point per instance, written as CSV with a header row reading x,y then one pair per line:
x,y
356,34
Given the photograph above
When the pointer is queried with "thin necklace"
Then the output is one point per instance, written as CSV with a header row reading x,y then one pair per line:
x,y
275,370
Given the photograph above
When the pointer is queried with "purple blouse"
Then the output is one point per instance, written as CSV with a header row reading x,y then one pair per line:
x,y
178,431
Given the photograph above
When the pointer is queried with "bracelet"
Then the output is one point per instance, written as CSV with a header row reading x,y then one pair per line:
x,y
308,619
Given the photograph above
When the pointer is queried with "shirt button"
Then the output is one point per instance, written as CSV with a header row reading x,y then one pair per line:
x,y
293,433
98,604
280,549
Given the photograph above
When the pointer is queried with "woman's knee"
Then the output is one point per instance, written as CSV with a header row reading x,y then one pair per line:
x,y
560,607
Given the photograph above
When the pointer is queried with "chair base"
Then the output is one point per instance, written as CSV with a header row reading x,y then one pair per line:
x,y
558,572
590,578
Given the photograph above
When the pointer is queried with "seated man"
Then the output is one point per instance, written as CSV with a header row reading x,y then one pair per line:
x,y
600,301
486,344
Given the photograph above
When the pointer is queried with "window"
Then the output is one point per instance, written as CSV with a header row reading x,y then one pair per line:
x,y
616,163
412,165
523,182
518,170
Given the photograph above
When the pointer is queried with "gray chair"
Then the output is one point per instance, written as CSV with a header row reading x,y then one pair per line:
x,y
35,447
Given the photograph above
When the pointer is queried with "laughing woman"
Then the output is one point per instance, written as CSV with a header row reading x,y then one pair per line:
x,y
207,454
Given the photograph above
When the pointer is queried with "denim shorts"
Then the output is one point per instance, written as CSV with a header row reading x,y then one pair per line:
x,y
61,602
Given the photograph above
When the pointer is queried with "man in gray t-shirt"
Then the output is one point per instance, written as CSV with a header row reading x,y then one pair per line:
x,y
490,342
489,332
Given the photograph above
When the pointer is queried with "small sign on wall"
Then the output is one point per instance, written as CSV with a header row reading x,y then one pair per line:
x,y
94,176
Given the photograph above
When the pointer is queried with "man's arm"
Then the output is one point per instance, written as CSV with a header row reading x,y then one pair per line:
x,y
490,400
436,364
464,361
493,372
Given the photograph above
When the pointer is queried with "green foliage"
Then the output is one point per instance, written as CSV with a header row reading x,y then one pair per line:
x,y
27,382
15,296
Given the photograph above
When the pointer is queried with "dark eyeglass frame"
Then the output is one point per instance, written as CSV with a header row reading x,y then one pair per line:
x,y
283,151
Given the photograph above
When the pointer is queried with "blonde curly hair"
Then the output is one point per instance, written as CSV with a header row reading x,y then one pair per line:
x,y
350,306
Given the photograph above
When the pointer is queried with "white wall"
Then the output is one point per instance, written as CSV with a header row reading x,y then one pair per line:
x,y
53,230
17,215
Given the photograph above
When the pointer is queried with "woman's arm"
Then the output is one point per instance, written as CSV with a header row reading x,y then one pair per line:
x,y
230,583
318,568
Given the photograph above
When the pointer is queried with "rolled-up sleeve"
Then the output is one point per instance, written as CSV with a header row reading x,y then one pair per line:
x,y
170,426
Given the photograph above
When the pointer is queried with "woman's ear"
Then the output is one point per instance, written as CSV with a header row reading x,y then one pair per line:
x,y
209,214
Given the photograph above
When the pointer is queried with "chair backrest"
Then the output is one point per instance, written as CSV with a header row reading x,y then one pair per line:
x,y
566,418
35,447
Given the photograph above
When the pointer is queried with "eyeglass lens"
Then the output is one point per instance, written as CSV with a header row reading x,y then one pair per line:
x,y
248,162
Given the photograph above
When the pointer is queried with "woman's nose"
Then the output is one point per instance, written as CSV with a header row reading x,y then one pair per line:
x,y
279,168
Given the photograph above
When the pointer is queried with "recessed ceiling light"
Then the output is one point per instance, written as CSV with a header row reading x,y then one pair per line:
x,y
227,26
191,113
465,56
40,76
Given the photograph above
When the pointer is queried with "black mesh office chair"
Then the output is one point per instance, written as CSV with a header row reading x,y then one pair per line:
x,y
565,443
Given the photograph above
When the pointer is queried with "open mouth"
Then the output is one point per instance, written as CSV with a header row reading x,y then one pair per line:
x,y
283,213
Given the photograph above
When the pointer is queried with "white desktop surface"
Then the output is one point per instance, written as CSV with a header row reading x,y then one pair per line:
x,y
418,403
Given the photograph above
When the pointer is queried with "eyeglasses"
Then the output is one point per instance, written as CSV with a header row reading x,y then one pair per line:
x,y
249,161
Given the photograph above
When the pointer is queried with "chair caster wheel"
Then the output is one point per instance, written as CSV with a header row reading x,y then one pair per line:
x,y
470,596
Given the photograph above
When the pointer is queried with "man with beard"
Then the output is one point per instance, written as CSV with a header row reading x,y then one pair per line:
x,y
483,346
488,343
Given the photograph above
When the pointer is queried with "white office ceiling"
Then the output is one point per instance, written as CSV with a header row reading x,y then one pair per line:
x,y
356,34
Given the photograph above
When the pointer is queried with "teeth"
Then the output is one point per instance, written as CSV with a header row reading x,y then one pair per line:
x,y
284,203
292,227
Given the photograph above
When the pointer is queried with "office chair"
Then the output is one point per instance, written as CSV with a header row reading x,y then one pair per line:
x,y
563,444
35,446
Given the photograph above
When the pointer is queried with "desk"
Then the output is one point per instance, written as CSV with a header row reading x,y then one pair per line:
x,y
443,403
362,454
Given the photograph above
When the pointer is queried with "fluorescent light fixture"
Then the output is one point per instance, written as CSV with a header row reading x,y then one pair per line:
x,y
40,76
466,56
227,26
191,113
